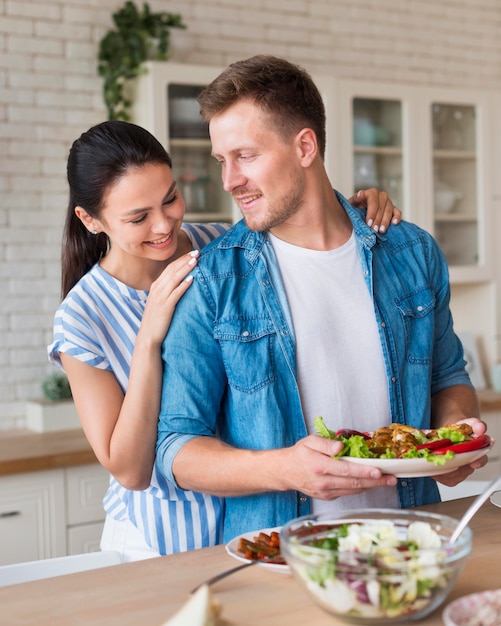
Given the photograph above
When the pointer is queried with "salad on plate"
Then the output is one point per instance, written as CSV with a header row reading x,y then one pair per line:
x,y
400,441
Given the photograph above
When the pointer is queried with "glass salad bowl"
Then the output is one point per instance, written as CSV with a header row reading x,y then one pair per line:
x,y
375,566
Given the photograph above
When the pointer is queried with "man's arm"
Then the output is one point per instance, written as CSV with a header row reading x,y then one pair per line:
x,y
452,404
307,467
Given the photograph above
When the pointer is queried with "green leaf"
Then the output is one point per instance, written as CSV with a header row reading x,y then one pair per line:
x,y
139,36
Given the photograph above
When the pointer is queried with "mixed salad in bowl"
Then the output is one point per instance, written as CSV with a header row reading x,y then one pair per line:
x,y
375,566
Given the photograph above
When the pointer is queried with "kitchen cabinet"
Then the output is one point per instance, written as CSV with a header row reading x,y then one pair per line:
x,y
51,513
429,149
85,489
164,102
32,516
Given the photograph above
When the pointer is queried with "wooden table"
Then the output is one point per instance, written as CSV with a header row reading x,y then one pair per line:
x,y
148,592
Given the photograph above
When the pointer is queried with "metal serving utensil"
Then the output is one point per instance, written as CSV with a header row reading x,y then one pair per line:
x,y
228,572
473,508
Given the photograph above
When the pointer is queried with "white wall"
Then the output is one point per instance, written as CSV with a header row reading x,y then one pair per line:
x,y
50,93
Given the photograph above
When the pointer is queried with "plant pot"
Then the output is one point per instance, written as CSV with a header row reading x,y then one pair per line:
x,y
44,416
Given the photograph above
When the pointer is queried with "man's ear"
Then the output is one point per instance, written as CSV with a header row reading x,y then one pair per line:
x,y
89,222
307,146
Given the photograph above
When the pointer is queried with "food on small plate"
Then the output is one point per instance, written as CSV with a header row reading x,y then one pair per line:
x,y
476,609
399,441
264,546
200,610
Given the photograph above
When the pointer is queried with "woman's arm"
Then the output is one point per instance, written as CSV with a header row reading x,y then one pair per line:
x,y
122,429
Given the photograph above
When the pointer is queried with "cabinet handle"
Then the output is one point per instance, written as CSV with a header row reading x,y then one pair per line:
x,y
10,513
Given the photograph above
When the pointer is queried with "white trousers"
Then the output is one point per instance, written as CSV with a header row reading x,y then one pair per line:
x,y
126,539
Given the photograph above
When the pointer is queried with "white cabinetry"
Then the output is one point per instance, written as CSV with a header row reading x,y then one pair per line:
x,y
164,102
430,149
51,513
85,489
32,516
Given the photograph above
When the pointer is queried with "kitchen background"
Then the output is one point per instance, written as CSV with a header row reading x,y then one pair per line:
x,y
50,92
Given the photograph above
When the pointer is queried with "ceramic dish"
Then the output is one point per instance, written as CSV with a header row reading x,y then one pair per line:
x,y
232,550
414,468
476,609
496,498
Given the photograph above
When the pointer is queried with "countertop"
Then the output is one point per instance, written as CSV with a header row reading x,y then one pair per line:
x,y
149,592
28,451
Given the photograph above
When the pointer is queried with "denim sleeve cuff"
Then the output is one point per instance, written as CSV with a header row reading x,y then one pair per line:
x,y
461,378
166,452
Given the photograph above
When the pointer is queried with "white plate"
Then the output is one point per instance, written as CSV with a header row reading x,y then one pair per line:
x,y
476,605
496,498
414,468
232,549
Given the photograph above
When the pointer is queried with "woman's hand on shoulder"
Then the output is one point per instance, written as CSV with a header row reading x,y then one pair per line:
x,y
381,212
165,293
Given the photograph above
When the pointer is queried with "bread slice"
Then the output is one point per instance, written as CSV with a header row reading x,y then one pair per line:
x,y
200,610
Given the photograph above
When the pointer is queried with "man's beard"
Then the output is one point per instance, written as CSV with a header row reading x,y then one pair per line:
x,y
280,212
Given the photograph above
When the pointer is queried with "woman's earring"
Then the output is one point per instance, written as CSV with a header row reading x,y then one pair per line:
x,y
94,232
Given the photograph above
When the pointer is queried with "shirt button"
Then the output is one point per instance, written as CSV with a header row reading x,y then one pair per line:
x,y
383,325
303,499
403,483
285,333
393,379
245,333
420,308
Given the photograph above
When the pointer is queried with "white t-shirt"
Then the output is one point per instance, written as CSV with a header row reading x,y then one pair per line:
x,y
340,367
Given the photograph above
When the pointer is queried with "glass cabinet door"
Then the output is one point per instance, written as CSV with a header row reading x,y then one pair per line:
x,y
372,140
165,102
190,148
455,182
377,146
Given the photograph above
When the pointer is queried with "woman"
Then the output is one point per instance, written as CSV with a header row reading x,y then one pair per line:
x,y
125,264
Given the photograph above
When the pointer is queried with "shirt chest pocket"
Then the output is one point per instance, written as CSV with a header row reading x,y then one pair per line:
x,y
247,347
417,311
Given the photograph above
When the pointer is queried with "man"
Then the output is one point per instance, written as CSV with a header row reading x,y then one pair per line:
x,y
298,311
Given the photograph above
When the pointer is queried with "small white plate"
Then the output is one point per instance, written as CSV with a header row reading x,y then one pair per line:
x,y
496,498
232,550
415,468
474,609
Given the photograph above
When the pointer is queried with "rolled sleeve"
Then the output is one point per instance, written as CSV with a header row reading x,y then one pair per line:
x,y
167,449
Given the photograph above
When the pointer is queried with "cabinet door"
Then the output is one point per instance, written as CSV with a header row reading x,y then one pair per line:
x,y
165,103
374,141
429,149
85,489
32,516
85,538
456,153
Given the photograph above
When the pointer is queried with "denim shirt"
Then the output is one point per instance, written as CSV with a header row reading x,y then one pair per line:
x,y
230,366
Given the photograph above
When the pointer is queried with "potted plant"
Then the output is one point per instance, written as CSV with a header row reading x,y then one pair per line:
x,y
138,36
56,409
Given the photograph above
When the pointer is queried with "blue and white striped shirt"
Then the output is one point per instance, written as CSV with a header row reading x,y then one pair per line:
x,y
97,323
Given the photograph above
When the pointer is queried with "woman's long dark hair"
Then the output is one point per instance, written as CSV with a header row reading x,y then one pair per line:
x,y
97,160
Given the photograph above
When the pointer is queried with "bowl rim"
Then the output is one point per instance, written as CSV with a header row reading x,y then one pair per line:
x,y
392,515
